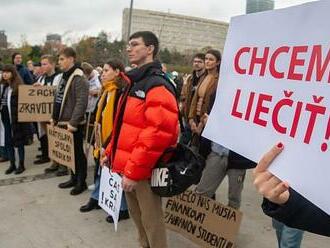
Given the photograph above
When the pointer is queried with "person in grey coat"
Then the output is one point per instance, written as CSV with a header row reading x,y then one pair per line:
x,y
70,105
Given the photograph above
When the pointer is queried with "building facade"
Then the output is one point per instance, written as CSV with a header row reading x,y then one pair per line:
x,y
3,39
253,6
177,32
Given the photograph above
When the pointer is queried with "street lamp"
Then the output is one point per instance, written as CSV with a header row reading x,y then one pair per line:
x,y
129,21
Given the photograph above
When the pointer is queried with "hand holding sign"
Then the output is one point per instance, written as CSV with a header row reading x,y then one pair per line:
x,y
266,183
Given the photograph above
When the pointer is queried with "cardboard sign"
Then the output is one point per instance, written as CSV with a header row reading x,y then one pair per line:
x,y
202,220
35,103
110,194
61,146
275,86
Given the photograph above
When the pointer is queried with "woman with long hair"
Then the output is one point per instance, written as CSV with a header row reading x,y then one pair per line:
x,y
16,134
113,81
202,100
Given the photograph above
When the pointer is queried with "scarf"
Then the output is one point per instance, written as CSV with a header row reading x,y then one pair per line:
x,y
105,115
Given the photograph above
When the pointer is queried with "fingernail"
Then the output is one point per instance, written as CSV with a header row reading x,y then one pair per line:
x,y
280,145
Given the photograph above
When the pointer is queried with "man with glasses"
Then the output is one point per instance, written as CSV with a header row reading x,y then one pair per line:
x,y
188,91
146,124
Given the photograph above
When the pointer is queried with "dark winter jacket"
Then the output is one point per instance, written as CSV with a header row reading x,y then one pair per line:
x,y
25,74
299,213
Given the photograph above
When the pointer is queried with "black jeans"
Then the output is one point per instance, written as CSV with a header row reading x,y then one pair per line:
x,y
44,146
79,178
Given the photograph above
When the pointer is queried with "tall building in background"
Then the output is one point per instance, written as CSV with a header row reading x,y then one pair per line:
x,y
177,32
253,6
53,38
3,39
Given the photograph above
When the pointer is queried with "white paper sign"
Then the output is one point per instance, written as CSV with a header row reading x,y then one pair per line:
x,y
275,86
110,193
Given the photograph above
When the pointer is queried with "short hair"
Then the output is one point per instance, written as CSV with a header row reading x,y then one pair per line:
x,y
87,68
14,55
68,52
149,38
199,56
116,64
51,59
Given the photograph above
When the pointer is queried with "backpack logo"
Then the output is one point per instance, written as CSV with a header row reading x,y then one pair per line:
x,y
140,94
159,177
183,172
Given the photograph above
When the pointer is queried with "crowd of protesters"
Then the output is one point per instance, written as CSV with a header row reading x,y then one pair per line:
x,y
130,117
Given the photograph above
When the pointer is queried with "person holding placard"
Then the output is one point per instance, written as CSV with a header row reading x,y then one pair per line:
x,y
201,100
16,134
48,78
113,83
70,105
146,124
283,203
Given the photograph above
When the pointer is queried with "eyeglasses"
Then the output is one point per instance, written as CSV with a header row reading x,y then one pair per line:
x,y
132,45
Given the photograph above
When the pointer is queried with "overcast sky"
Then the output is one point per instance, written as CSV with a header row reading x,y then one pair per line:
x,y
75,18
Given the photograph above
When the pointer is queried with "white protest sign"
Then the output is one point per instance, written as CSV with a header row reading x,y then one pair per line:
x,y
110,194
275,86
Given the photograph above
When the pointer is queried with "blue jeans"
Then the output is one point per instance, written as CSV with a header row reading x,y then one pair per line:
x,y
96,192
287,237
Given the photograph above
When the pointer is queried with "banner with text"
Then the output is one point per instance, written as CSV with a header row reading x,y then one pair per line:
x,y
110,193
61,146
35,103
202,220
275,86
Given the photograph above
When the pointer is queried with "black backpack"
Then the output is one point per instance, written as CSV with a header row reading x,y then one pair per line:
x,y
183,168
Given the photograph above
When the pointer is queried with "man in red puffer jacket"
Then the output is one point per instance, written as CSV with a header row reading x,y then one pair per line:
x,y
146,124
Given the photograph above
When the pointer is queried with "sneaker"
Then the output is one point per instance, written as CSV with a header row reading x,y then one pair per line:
x,y
92,204
123,215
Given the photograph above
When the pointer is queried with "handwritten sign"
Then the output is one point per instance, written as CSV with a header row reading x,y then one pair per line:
x,y
35,104
110,194
275,86
202,220
61,146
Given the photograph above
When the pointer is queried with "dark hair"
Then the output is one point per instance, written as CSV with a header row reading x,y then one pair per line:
x,y
116,64
16,78
51,59
217,55
149,38
199,56
13,56
68,52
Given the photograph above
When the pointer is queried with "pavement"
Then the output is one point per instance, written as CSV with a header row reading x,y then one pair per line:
x,y
35,213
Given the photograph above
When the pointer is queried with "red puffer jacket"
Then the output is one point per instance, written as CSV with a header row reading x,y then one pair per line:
x,y
146,123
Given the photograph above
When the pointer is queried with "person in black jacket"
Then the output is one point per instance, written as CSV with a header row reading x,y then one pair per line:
x,y
16,134
283,203
21,69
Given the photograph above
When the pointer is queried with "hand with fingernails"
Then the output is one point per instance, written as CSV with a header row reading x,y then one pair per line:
x,y
271,187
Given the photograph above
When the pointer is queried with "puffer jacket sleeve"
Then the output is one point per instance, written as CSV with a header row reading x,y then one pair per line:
x,y
161,132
